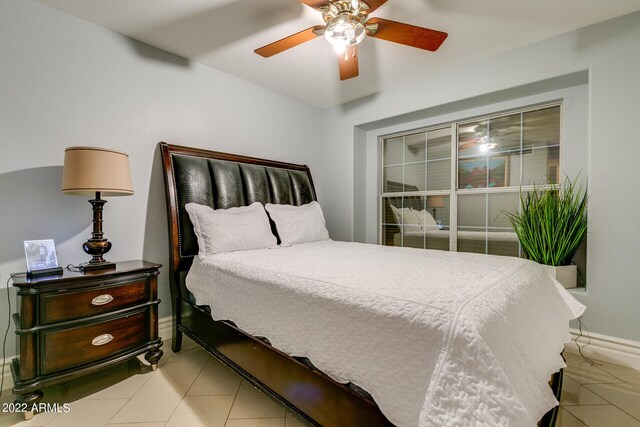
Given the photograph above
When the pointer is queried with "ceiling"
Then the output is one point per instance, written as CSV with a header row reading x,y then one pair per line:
x,y
223,34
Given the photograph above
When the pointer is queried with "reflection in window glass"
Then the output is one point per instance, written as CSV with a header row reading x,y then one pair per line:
x,y
414,177
510,150
541,165
402,217
393,179
496,156
416,221
472,173
541,128
439,175
415,147
482,225
393,150
439,145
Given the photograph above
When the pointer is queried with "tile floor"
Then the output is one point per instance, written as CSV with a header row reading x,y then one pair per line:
x,y
193,389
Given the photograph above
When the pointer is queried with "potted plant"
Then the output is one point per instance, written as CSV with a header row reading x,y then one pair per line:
x,y
551,225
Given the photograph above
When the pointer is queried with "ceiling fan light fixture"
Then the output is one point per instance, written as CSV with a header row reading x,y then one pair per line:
x,y
486,144
346,25
342,32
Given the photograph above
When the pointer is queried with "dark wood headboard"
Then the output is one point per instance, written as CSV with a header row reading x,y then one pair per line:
x,y
222,180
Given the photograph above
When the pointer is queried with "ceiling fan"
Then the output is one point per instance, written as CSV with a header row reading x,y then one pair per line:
x,y
346,26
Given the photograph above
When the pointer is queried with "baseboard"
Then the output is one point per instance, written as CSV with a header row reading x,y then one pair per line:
x,y
606,348
165,326
8,378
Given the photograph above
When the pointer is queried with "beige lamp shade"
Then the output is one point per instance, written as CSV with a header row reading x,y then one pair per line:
x,y
436,201
88,170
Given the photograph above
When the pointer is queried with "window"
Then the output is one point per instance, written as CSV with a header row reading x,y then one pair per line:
x,y
447,187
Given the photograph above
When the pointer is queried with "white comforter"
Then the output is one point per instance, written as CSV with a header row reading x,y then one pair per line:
x,y
437,338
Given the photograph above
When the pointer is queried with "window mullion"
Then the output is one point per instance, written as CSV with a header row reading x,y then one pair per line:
x,y
453,198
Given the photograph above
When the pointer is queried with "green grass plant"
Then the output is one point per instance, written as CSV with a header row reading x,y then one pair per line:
x,y
552,221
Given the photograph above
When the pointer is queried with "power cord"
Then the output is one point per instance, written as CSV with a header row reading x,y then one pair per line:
x,y
75,268
580,335
6,332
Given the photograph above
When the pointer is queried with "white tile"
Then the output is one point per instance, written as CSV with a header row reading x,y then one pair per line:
x,y
161,424
117,382
189,354
627,375
584,372
565,419
159,397
202,411
188,342
621,395
251,403
293,421
17,419
576,394
215,379
602,416
85,413
256,422
123,389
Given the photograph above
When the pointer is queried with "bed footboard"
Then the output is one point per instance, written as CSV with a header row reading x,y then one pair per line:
x,y
307,392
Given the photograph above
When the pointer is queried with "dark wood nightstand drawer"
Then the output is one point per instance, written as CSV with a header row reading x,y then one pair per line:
x,y
67,305
79,322
67,348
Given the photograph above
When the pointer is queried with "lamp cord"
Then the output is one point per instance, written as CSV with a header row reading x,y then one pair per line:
x,y
6,332
588,359
75,268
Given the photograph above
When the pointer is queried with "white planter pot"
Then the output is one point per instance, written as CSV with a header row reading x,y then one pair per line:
x,y
567,275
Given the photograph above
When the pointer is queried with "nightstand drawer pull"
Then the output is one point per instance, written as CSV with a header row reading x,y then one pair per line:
x,y
102,299
102,339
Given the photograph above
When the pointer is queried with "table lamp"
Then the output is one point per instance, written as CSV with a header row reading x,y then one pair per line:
x,y
96,172
436,202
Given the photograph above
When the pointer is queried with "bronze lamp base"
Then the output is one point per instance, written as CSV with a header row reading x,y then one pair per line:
x,y
97,245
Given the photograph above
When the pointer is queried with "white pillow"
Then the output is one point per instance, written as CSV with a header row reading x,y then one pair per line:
x,y
298,224
233,229
397,214
425,218
408,218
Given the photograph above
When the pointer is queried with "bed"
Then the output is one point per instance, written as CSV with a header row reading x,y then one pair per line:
x,y
223,180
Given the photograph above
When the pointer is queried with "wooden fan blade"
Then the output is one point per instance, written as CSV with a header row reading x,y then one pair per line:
x,y
289,42
348,63
410,35
374,4
316,4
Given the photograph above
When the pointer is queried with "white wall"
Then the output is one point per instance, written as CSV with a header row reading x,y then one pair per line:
x,y
610,54
65,81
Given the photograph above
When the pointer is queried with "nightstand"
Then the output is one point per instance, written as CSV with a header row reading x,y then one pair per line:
x,y
77,323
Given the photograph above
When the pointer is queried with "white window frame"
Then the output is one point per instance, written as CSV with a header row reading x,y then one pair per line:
x,y
454,192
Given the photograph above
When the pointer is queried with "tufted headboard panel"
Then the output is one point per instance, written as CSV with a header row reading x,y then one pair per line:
x,y
223,180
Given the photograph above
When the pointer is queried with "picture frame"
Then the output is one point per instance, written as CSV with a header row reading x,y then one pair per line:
x,y
472,173
40,255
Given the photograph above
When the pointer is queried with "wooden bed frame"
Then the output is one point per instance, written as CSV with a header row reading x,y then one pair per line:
x,y
189,177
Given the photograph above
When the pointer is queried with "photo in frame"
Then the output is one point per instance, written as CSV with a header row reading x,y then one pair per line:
x,y
40,255
472,173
